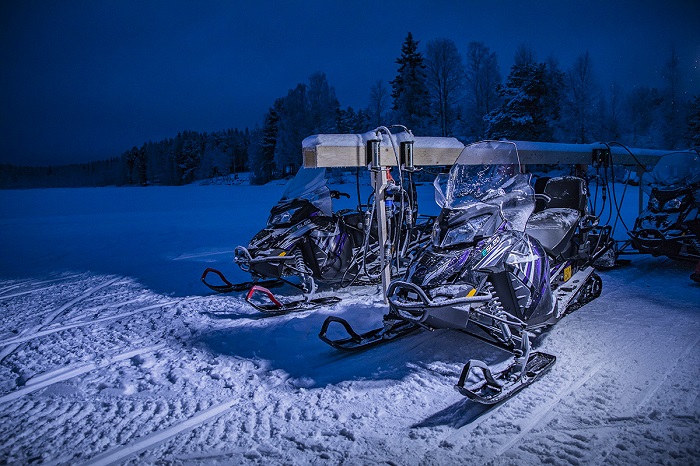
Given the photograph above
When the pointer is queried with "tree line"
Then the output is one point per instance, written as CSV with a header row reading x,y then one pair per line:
x,y
437,91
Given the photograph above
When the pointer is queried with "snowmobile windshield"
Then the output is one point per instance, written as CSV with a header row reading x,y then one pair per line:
x,y
673,171
310,184
497,184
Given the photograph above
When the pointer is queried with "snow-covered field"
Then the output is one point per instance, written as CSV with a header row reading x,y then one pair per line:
x,y
112,351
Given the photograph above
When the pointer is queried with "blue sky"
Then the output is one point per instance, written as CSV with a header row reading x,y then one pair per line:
x,y
86,80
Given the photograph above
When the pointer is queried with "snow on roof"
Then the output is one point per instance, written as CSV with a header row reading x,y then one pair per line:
x,y
360,140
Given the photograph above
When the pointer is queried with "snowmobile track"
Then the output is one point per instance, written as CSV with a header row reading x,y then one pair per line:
x,y
51,317
30,283
42,333
65,373
535,418
158,437
660,380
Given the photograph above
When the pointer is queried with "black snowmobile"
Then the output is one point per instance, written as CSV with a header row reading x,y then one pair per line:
x,y
495,269
670,224
306,243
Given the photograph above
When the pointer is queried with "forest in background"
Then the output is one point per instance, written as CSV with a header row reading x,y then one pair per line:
x,y
438,91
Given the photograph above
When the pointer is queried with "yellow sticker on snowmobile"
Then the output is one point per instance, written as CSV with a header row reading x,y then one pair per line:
x,y
567,273
472,292
283,253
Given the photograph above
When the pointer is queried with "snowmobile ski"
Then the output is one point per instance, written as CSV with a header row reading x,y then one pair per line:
x,y
228,287
392,329
276,306
494,388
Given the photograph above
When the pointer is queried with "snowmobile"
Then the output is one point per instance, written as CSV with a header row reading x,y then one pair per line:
x,y
670,224
495,269
305,243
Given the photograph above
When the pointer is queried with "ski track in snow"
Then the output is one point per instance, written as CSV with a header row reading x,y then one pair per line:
x,y
99,368
274,418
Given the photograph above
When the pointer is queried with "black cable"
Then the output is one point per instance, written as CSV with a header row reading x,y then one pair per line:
x,y
618,206
357,183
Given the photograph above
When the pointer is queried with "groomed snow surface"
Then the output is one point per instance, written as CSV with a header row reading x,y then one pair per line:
x,y
113,351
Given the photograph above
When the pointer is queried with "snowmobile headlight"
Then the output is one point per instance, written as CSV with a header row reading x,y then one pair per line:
x,y
282,217
466,232
654,204
673,204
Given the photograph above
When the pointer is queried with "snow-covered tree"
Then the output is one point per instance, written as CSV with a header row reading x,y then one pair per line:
x,y
673,109
350,121
582,110
323,105
293,126
131,157
693,127
378,103
523,114
612,113
482,80
261,151
188,155
445,82
306,110
555,82
642,107
141,164
409,91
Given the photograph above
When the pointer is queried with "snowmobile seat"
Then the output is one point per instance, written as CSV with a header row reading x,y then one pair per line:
x,y
553,228
555,225
567,191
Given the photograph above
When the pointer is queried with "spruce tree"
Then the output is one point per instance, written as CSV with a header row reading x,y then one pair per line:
x,y
409,90
523,114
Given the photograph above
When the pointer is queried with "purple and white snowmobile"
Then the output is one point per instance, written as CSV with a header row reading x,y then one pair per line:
x,y
495,269
306,243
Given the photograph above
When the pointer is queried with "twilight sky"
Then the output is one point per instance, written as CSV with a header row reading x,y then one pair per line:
x,y
88,79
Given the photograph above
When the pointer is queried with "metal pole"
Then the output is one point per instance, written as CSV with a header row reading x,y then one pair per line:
x,y
379,180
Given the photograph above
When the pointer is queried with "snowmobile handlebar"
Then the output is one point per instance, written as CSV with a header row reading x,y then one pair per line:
x,y
338,194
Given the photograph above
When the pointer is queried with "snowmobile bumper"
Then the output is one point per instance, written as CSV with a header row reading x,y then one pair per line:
x,y
648,241
434,313
675,244
264,265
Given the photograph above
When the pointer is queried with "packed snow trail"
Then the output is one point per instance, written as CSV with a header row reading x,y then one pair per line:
x,y
126,375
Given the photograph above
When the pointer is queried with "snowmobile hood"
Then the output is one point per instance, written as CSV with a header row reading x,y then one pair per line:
x,y
496,184
434,268
310,184
673,171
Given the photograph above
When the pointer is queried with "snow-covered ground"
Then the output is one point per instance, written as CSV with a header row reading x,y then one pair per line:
x,y
111,350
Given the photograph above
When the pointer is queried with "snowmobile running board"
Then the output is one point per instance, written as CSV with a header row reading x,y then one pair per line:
x,y
228,287
392,329
277,306
568,295
495,388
